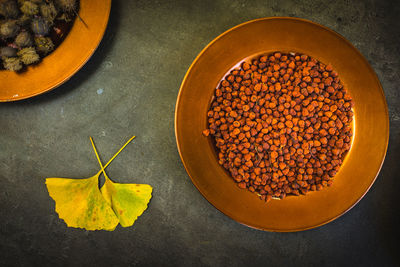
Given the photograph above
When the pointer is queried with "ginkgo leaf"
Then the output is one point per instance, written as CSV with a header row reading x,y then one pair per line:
x,y
128,201
80,203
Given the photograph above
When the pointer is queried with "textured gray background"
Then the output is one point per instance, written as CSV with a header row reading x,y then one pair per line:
x,y
129,87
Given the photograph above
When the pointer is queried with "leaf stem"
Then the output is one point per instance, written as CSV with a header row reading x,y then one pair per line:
x,y
116,154
84,23
98,159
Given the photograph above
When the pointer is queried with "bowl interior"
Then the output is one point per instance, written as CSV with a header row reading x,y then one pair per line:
x,y
371,124
66,60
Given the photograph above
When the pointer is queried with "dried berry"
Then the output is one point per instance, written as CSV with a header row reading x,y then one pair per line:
x,y
44,45
23,39
8,51
9,29
12,63
39,26
9,9
30,8
67,5
48,11
28,55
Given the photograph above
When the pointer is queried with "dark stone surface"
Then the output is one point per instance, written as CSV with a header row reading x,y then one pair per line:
x,y
130,87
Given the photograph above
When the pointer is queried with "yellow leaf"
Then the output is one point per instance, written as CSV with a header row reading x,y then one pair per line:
x,y
128,201
80,203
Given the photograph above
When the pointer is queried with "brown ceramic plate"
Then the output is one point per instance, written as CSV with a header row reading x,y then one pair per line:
x,y
65,61
371,127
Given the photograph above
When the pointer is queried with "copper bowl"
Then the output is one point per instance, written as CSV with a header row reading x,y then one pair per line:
x,y
65,61
371,124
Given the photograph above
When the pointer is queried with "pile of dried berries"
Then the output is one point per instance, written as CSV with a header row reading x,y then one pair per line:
x,y
281,124
31,29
